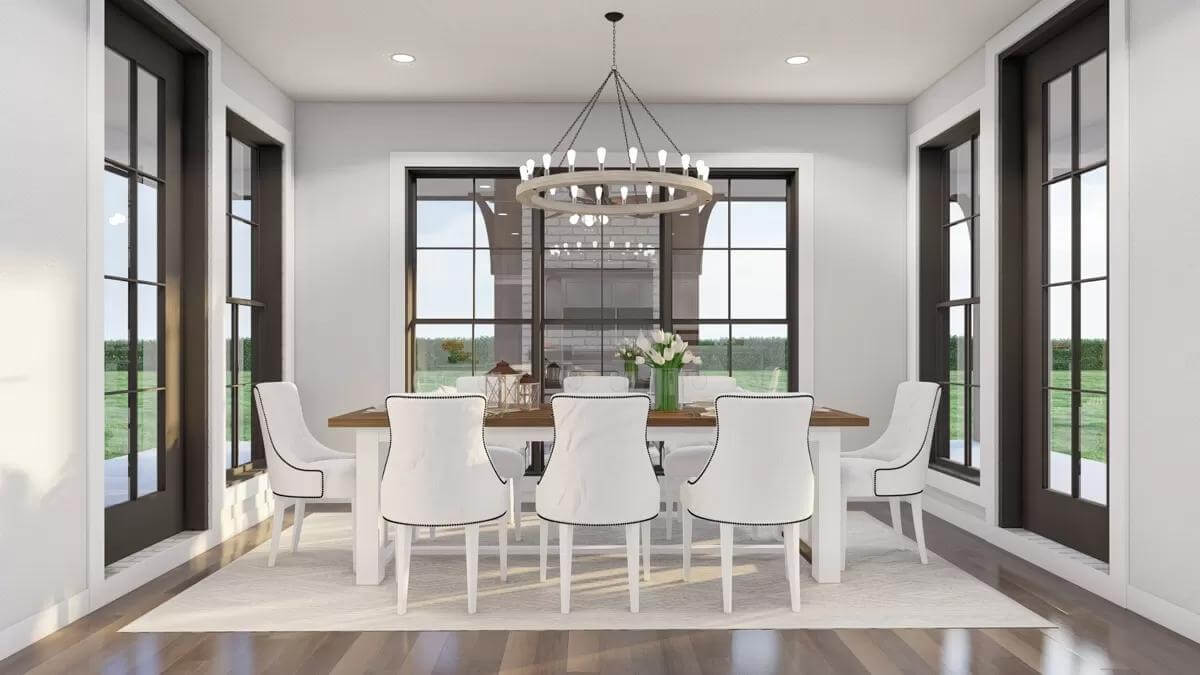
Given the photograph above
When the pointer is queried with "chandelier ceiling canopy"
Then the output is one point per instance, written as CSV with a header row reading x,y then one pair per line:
x,y
606,192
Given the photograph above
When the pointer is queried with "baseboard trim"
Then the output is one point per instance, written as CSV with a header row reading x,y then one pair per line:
x,y
1165,613
20,635
1074,571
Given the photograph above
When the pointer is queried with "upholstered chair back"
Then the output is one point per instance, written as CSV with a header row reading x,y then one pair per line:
x,y
595,384
600,473
760,472
287,441
438,472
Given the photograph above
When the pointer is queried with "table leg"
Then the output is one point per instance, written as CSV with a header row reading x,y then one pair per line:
x,y
368,533
826,530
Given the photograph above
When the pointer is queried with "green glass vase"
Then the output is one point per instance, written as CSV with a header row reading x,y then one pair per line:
x,y
631,374
666,388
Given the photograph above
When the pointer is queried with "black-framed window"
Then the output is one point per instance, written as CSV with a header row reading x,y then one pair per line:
x,y
134,287
949,294
732,290
554,295
1075,281
471,254
242,305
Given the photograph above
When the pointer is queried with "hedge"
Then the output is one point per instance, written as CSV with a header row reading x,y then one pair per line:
x,y
1093,353
116,353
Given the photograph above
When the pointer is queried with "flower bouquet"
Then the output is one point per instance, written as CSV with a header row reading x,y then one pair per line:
x,y
666,353
629,353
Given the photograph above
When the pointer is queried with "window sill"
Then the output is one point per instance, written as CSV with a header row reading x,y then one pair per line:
x,y
244,473
964,473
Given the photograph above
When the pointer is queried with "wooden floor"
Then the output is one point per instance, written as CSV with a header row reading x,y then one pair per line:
x,y
1093,636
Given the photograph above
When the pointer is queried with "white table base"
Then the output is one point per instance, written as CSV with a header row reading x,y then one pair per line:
x,y
371,550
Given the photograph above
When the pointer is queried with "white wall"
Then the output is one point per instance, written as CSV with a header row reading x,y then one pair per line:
x,y
960,82
1165,282
51,126
42,297
342,179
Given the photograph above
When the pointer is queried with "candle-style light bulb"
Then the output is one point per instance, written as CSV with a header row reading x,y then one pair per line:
x,y
649,193
671,192
588,220
574,192
599,193
529,167
552,191
571,159
684,160
603,220
546,158
600,153
574,219
624,193
612,244
523,172
595,244
632,157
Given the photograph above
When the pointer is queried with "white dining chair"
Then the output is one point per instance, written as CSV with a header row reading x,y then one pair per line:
x,y
893,468
595,384
300,469
438,474
681,462
510,462
599,475
760,473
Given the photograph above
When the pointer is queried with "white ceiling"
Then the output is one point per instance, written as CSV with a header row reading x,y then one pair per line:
x,y
557,50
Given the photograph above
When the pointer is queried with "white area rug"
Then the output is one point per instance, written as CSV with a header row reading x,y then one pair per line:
x,y
884,586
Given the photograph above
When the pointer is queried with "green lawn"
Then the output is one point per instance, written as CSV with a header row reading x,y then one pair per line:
x,y
1093,414
752,380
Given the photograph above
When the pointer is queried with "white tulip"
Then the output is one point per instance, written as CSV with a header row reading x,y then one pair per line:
x,y
697,361
659,336
669,352
642,343
641,361
656,358
688,358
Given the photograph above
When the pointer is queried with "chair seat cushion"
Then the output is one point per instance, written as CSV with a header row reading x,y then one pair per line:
x,y
509,463
858,476
686,462
338,477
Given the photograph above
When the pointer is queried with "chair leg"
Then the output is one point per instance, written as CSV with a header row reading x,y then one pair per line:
x,y
281,504
791,543
404,535
514,503
543,544
670,494
565,535
502,538
297,522
632,533
472,567
918,516
686,521
646,550
897,522
727,567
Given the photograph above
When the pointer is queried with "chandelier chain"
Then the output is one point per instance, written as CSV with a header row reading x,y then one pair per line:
x,y
650,114
633,122
614,45
585,108
621,110
587,112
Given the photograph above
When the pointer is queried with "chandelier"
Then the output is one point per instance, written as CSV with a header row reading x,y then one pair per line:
x,y
598,194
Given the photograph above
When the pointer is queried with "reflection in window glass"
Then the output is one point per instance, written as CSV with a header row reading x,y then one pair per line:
x,y
759,357
116,107
700,284
444,212
241,179
1093,447
241,253
116,335
961,184
246,344
1093,335
147,122
511,342
147,336
1093,111
147,230
1058,126
502,284
443,284
956,349
148,433
577,350
956,399
1058,355
710,229
116,447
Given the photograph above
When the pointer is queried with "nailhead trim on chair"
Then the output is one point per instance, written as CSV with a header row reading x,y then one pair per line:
x,y
937,400
263,412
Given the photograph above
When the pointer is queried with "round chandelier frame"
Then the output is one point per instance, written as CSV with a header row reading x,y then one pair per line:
x,y
630,191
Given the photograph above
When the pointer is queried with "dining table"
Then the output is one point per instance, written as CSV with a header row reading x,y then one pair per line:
x,y
691,425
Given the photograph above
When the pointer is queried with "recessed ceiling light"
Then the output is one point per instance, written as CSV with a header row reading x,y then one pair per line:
x,y
515,234
403,58
797,60
484,187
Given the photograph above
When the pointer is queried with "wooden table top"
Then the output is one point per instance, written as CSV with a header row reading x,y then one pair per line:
x,y
689,416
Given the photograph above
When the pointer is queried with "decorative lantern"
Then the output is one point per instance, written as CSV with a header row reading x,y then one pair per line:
x,y
553,372
527,393
500,386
